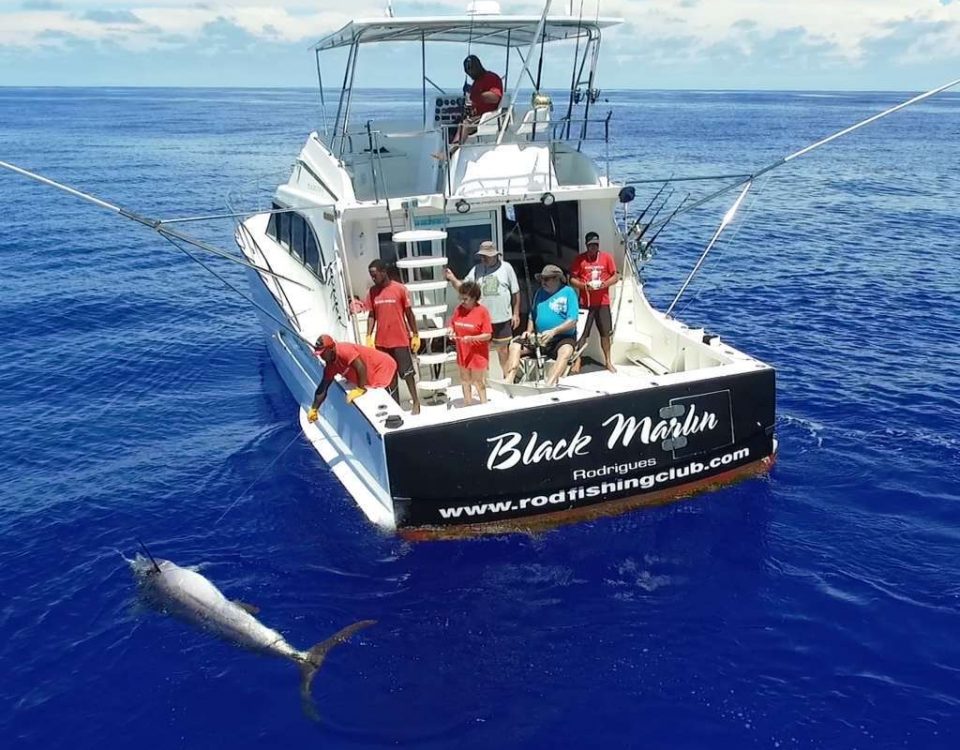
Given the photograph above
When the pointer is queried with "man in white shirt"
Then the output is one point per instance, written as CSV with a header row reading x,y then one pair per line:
x,y
499,293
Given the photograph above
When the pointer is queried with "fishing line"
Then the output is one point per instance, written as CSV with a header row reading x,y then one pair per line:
x,y
259,476
154,224
822,142
232,287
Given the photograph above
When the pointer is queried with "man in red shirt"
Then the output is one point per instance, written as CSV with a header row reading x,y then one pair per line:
x,y
593,273
487,89
391,314
485,94
360,365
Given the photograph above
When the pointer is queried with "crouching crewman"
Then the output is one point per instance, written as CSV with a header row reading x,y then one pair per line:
x,y
362,366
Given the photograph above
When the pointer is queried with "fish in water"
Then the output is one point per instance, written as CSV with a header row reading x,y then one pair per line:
x,y
185,593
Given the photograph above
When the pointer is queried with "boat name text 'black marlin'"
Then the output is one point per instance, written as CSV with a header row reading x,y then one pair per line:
x,y
512,448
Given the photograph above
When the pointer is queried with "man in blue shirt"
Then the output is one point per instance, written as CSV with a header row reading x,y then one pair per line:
x,y
551,328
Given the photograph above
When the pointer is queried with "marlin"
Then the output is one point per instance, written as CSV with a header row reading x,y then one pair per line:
x,y
186,594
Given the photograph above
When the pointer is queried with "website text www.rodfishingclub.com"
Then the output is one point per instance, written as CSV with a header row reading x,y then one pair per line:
x,y
574,494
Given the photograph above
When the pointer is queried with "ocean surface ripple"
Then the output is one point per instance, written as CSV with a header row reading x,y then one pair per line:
x,y
815,607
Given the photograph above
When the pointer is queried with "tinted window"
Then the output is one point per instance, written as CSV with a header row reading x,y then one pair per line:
x,y
283,229
296,236
272,224
388,249
311,254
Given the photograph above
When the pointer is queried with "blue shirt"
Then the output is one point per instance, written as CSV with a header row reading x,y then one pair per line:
x,y
555,309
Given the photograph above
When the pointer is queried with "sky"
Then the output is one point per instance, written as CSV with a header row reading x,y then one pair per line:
x,y
898,45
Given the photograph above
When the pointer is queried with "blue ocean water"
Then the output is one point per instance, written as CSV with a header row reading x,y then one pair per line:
x,y
816,607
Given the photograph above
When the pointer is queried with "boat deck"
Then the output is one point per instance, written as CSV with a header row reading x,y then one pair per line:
x,y
447,406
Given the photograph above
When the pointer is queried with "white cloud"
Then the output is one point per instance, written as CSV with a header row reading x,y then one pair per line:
x,y
824,34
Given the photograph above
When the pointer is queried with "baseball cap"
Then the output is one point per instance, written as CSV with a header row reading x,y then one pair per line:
x,y
488,248
324,343
550,271
591,238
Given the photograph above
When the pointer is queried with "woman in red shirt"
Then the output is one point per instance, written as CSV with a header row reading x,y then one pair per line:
x,y
471,329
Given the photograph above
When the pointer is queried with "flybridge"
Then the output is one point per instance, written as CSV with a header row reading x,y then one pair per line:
x,y
499,31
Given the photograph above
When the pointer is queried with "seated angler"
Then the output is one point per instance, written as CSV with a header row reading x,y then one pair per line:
x,y
485,94
552,327
362,366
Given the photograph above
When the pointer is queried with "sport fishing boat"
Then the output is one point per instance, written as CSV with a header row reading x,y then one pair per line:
x,y
680,410
683,411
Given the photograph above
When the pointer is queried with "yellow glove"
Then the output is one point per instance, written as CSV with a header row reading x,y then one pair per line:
x,y
354,394
371,340
312,415
415,342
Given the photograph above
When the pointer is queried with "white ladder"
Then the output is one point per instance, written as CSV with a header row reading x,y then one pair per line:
x,y
419,274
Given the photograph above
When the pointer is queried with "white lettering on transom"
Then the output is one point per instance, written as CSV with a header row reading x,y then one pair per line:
x,y
507,452
625,429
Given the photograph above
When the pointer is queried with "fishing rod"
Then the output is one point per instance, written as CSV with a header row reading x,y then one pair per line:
x,y
644,212
573,72
665,223
822,142
656,213
156,225
724,223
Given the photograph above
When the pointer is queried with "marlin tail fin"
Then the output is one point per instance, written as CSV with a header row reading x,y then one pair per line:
x,y
314,658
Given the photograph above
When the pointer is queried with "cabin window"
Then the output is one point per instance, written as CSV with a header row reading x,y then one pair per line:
x,y
297,241
283,229
311,253
272,224
388,248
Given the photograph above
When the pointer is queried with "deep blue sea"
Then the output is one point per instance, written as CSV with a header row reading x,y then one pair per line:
x,y
818,607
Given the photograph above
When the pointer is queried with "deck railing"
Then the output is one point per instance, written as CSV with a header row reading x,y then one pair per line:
x,y
552,134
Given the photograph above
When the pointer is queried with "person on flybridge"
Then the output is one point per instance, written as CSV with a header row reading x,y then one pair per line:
x,y
484,96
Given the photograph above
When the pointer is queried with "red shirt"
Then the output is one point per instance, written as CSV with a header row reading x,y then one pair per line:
x,y
486,82
388,305
380,367
586,270
474,355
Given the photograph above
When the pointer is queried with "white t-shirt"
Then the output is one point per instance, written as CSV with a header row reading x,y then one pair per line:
x,y
497,287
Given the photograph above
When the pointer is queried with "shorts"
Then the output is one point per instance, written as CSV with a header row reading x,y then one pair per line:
x,y
600,314
502,333
402,356
473,360
548,351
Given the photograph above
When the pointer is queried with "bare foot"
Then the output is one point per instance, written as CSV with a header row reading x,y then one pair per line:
x,y
611,368
415,409
575,367
439,156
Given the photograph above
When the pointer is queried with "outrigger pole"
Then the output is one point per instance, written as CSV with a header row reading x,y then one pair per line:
x,y
525,68
727,218
807,149
157,225
171,236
